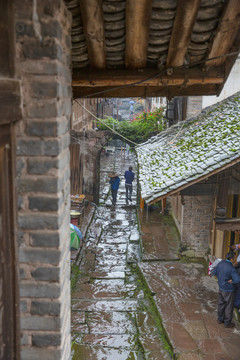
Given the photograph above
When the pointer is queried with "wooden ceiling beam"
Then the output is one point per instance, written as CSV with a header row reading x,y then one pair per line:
x,y
181,33
138,13
143,92
128,77
93,26
228,30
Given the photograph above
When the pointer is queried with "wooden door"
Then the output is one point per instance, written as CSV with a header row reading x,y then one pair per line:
x,y
9,329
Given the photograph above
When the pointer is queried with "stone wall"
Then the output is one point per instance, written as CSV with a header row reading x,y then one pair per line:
x,y
196,225
85,162
43,170
81,118
194,106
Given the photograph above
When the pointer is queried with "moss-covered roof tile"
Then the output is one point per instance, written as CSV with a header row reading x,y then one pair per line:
x,y
189,150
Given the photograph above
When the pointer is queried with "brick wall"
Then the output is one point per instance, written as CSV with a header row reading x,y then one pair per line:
x,y
85,152
81,118
196,225
43,66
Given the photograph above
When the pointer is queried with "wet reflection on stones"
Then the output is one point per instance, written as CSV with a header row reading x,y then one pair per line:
x,y
112,315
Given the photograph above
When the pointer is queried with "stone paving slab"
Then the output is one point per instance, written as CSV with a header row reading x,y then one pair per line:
x,y
187,300
105,305
113,322
123,341
160,239
97,353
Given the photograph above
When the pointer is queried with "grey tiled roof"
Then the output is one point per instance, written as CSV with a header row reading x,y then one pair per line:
x,y
190,150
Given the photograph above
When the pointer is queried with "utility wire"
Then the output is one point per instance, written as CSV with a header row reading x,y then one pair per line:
x,y
114,131
144,80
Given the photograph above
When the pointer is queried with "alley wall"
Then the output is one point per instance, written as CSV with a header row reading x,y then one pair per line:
x,y
43,45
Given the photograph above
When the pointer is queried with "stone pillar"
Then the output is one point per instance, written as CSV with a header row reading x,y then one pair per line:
x,y
43,170
196,225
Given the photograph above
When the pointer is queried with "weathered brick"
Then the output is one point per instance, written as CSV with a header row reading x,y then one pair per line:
x,y
40,290
20,236
45,308
65,108
36,221
63,126
36,255
40,166
20,164
43,67
44,89
46,339
46,274
42,203
49,8
45,239
42,110
22,274
20,202
67,40
64,159
52,147
52,29
66,141
35,49
25,339
29,147
40,354
23,306
45,184
24,29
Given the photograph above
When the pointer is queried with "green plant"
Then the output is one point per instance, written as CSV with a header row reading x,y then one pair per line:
x,y
141,128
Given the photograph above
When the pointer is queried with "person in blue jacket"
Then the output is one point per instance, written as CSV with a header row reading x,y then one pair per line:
x,y
227,278
114,182
129,177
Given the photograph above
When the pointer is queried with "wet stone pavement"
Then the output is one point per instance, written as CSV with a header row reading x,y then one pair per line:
x,y
135,299
113,316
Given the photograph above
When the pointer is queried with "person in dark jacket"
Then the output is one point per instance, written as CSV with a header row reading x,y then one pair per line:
x,y
114,182
227,278
129,177
237,290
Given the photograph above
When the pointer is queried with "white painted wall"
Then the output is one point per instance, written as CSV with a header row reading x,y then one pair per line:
x,y
231,86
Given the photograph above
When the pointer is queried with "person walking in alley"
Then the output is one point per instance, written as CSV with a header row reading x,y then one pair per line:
x,y
129,177
227,278
114,182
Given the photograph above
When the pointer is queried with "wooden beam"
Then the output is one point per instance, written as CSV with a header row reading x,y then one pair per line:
x,y
182,29
138,14
199,190
93,26
228,29
232,224
128,77
144,91
10,101
7,40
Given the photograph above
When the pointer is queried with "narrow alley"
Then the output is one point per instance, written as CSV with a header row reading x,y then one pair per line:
x,y
134,298
113,316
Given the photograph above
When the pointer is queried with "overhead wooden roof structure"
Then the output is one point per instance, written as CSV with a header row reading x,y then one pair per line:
x,y
147,48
